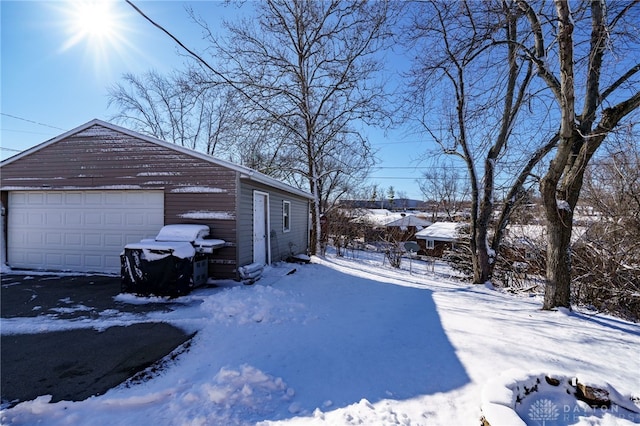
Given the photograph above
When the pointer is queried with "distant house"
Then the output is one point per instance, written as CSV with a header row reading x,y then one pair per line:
x,y
438,237
73,202
405,228
385,225
402,204
376,218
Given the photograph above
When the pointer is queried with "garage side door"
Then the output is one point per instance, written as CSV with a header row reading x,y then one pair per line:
x,y
82,231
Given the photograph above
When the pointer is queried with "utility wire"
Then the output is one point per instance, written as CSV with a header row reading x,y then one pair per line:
x,y
174,38
393,177
202,61
31,121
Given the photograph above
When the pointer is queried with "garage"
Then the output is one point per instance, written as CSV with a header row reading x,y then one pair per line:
x,y
81,231
73,202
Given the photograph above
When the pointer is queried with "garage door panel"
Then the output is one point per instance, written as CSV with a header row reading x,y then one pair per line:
x,y
22,220
19,198
93,241
53,239
35,199
31,257
79,230
148,198
93,198
113,240
115,198
93,261
20,256
156,220
73,240
53,259
113,219
72,198
92,219
55,199
72,219
112,263
35,240
72,261
35,218
54,218
134,219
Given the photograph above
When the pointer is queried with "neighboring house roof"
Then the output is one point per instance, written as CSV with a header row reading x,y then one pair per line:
x,y
245,172
527,235
377,217
410,220
441,231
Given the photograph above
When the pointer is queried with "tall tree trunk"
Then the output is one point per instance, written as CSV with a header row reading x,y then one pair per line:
x,y
314,186
513,102
483,253
559,221
559,212
578,139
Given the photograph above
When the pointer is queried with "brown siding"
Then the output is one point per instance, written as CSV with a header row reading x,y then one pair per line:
x,y
439,247
196,191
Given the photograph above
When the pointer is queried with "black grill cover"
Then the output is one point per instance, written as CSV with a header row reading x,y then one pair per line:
x,y
167,276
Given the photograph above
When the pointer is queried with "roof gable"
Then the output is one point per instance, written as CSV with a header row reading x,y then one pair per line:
x,y
245,172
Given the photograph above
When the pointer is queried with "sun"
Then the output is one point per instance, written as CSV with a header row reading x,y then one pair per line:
x,y
97,25
94,20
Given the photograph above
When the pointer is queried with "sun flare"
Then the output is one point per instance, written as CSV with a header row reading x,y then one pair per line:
x,y
90,21
96,25
94,20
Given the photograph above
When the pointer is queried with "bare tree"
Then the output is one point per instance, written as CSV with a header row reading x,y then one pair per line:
x,y
470,88
169,108
446,188
606,266
210,119
589,73
309,69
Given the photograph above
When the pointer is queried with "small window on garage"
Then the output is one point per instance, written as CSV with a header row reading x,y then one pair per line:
x,y
430,244
286,216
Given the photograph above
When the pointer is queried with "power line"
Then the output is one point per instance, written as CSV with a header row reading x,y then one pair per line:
x,y
31,121
25,131
393,177
399,167
397,143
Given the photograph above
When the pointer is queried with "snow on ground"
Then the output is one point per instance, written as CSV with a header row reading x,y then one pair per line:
x,y
346,341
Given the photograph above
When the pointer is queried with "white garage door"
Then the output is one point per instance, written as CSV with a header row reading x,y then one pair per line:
x,y
81,231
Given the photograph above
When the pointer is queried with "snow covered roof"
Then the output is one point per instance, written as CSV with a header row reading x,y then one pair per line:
x,y
410,220
441,231
536,234
377,217
245,172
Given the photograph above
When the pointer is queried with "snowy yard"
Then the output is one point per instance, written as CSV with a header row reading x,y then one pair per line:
x,y
347,341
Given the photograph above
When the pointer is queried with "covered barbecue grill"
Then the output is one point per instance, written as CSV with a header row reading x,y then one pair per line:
x,y
171,264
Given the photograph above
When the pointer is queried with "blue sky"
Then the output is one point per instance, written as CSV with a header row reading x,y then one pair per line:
x,y
55,77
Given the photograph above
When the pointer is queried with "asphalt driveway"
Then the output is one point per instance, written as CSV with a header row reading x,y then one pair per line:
x,y
75,364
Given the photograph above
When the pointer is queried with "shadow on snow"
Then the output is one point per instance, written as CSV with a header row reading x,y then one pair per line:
x,y
362,339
